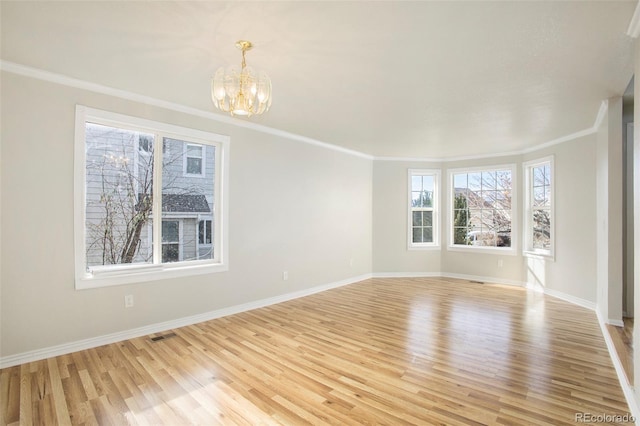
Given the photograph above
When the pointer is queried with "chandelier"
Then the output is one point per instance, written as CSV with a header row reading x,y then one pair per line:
x,y
244,92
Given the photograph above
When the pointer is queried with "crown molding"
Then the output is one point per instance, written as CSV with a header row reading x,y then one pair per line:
x,y
51,77
634,25
40,74
553,142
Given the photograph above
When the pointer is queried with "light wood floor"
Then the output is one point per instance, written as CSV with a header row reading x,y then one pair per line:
x,y
382,351
622,338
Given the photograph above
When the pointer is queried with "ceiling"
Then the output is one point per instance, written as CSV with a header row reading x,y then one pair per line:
x,y
390,79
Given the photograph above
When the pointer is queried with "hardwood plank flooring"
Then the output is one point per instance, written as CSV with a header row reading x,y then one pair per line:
x,y
382,351
622,338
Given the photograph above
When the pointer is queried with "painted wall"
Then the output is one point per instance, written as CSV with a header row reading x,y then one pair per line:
x,y
572,273
290,203
293,206
610,213
390,221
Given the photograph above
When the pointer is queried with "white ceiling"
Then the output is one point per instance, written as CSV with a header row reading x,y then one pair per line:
x,y
401,79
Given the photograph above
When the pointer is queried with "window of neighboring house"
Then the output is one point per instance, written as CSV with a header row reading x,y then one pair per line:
x,y
423,208
170,241
136,211
482,209
539,226
193,160
204,232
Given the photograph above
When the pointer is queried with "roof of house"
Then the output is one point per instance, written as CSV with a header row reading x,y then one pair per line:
x,y
184,203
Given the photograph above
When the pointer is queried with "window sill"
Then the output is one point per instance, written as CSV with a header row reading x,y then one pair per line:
x,y
145,273
424,247
506,251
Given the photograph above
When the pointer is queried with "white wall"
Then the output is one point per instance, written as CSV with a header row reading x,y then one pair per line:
x,y
573,272
609,186
390,221
293,206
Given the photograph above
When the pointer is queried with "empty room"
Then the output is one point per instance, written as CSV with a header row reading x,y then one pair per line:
x,y
344,212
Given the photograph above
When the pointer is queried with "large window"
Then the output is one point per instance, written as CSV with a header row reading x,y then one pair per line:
x,y
141,190
423,208
539,207
482,203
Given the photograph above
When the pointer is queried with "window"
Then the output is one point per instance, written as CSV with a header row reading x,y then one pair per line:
x,y
138,215
423,208
204,232
482,203
539,207
170,241
193,164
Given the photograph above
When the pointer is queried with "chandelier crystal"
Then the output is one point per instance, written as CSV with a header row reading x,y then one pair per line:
x,y
241,93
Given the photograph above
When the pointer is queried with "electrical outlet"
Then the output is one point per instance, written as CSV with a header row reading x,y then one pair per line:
x,y
128,301
285,275
351,262
500,263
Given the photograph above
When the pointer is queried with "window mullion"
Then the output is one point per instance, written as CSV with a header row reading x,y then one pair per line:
x,y
157,200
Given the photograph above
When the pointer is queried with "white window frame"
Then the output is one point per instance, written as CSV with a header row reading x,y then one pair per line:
x,y
135,273
435,245
185,157
527,170
509,251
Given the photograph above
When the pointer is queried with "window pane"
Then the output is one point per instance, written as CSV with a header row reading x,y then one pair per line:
x,y
539,196
428,218
503,179
208,232
187,197
547,174
194,166
460,235
427,234
416,199
488,180
417,218
538,176
475,181
170,231
118,190
194,151
170,253
460,181
427,183
417,235
416,183
541,229
484,206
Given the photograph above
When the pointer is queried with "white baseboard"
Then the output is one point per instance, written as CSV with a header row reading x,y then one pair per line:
x,y
492,280
571,299
406,274
39,354
627,388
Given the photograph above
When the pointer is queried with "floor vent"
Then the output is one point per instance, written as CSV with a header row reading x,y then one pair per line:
x,y
476,282
164,336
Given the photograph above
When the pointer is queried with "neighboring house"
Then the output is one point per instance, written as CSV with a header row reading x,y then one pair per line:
x,y
119,196
488,220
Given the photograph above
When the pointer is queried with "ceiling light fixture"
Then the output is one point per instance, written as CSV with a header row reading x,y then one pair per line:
x,y
243,93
